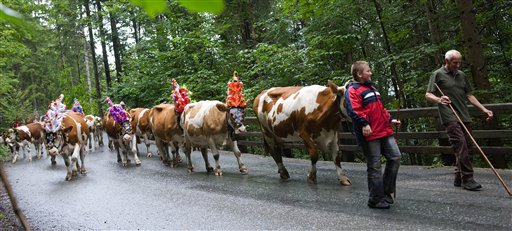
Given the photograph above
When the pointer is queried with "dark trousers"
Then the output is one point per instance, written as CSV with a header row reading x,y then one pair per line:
x,y
462,146
378,184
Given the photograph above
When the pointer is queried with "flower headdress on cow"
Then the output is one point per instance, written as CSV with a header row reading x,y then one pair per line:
x,y
77,107
179,96
235,96
55,115
116,111
235,102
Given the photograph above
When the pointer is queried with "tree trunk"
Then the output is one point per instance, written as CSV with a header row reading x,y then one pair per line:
x,y
93,56
476,58
473,45
433,26
247,23
106,67
135,27
88,73
117,46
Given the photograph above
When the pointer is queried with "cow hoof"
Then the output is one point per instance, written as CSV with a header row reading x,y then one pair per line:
x,y
190,170
83,172
345,181
138,163
149,155
311,179
125,164
54,162
210,169
243,171
68,178
74,173
218,173
284,174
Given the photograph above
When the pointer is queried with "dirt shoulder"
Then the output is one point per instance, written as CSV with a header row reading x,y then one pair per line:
x,y
8,219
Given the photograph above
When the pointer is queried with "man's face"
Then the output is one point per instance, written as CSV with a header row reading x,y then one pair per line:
x,y
454,64
366,74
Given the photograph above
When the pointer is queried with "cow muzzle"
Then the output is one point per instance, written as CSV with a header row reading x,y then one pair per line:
x,y
240,130
53,152
127,138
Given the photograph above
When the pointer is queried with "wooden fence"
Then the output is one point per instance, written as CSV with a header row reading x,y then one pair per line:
x,y
347,139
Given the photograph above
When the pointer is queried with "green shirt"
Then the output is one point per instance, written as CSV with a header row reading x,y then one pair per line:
x,y
454,86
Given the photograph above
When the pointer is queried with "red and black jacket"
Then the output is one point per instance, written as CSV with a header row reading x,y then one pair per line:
x,y
365,107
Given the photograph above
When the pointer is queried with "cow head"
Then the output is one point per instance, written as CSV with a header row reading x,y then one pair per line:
x,y
235,117
126,131
98,123
11,137
51,143
340,98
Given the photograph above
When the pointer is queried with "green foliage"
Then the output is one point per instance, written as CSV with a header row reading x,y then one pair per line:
x,y
4,153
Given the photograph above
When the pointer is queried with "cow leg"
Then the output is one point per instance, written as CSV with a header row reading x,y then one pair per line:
x,y
162,148
116,145
15,150
83,170
135,152
238,154
278,158
188,150
25,145
204,153
38,148
74,159
65,157
147,143
342,178
176,158
216,155
124,153
313,154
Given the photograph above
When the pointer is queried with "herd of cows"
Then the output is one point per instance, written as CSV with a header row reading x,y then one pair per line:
x,y
311,114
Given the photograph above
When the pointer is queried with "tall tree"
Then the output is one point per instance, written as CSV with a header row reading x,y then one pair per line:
x,y
473,45
106,66
116,44
93,56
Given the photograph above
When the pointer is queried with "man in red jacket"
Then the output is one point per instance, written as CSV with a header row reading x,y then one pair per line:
x,y
372,126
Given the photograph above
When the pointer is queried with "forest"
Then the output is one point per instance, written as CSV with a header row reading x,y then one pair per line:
x,y
130,50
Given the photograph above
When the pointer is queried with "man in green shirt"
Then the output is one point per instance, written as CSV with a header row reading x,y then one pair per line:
x,y
457,91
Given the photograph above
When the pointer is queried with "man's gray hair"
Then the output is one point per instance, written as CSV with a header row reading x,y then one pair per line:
x,y
449,54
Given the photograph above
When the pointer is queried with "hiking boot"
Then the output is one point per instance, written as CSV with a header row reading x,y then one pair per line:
x,y
389,199
379,205
457,182
471,185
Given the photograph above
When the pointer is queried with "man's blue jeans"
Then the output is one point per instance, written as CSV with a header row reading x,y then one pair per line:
x,y
380,185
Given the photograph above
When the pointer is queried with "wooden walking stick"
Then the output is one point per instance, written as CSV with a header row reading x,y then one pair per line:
x,y
476,144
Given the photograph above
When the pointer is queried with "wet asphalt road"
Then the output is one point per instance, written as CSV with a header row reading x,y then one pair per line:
x,y
154,196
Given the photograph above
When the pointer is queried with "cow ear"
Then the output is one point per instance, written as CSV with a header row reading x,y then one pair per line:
x,y
67,129
222,107
333,86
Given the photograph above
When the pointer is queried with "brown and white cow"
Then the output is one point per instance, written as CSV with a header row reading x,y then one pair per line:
x,y
163,121
99,129
208,124
69,140
311,114
123,139
142,126
23,135
91,139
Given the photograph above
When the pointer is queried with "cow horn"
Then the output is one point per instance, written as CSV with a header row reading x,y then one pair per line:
x,y
235,76
333,86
